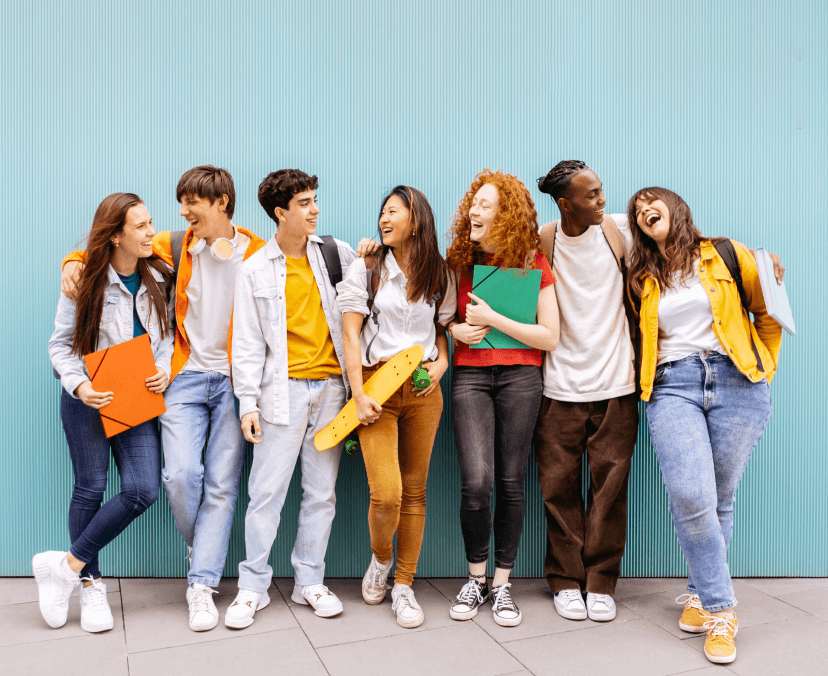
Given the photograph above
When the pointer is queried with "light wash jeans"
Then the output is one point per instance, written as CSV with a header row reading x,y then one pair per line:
x,y
705,419
313,404
202,496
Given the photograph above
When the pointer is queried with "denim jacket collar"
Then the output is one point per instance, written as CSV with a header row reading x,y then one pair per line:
x,y
275,251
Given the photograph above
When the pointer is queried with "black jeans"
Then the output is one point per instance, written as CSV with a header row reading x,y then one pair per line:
x,y
494,409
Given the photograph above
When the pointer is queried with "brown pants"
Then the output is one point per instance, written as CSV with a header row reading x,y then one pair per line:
x,y
397,451
585,551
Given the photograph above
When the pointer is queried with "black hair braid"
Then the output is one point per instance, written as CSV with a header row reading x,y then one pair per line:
x,y
556,182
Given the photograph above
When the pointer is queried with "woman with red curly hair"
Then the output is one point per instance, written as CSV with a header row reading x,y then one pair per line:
x,y
496,393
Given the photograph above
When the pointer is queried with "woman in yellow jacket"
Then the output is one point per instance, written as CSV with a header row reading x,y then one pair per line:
x,y
705,369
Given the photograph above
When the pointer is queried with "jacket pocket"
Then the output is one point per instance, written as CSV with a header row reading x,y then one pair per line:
x,y
110,308
267,303
661,373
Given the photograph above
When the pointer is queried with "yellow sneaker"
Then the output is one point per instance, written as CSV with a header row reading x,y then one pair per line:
x,y
693,616
720,646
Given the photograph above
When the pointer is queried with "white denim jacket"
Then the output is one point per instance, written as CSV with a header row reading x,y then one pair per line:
x,y
116,327
259,350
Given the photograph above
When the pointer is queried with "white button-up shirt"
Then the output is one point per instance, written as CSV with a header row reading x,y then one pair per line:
x,y
259,350
116,327
400,324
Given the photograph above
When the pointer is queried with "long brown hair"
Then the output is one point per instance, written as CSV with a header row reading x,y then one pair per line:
x,y
109,221
514,232
427,272
681,250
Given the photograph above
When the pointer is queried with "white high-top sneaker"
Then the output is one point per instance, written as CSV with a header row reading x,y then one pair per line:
x,y
203,613
95,612
323,601
375,581
55,583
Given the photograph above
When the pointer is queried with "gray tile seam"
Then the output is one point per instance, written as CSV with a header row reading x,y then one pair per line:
x,y
217,640
584,627
304,633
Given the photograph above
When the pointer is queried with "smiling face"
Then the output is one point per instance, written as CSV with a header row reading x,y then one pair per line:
x,y
299,219
135,237
586,201
395,223
653,217
483,211
207,220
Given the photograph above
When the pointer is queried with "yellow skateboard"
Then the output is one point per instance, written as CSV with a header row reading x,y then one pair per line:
x,y
379,387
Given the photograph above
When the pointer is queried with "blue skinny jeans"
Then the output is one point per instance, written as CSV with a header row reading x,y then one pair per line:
x,y
137,453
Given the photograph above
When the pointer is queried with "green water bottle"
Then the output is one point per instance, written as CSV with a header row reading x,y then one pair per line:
x,y
421,378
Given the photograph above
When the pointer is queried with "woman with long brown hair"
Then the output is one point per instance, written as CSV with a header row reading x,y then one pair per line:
x,y
121,295
705,370
496,392
413,301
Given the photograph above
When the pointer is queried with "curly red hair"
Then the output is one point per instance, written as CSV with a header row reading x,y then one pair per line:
x,y
514,232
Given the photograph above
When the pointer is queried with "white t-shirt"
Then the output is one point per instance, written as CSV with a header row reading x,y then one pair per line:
x,y
594,358
210,306
685,320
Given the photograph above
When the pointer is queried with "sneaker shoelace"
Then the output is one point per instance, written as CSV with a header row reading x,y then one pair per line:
x,y
405,598
719,625
570,595
318,590
470,593
503,599
690,601
245,597
376,575
201,599
95,594
606,599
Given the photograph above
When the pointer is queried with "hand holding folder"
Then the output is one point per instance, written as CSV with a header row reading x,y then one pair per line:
x,y
511,292
123,370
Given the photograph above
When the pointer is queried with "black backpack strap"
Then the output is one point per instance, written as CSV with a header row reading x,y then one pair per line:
x,y
176,246
727,251
372,308
330,253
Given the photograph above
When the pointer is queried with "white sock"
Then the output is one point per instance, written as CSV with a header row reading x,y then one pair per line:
x,y
67,571
725,613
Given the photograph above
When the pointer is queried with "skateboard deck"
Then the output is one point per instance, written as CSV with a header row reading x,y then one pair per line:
x,y
379,387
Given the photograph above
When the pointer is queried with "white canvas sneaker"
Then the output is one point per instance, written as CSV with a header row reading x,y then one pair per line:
x,y
600,607
375,581
405,607
240,613
318,597
55,583
95,612
570,604
504,609
203,613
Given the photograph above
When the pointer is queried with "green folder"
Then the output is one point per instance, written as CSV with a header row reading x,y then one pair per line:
x,y
512,292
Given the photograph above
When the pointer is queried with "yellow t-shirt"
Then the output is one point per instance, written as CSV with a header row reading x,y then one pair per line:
x,y
311,351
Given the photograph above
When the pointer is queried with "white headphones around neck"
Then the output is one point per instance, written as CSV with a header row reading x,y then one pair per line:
x,y
221,249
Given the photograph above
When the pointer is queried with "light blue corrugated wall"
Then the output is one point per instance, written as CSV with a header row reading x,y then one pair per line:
x,y
724,102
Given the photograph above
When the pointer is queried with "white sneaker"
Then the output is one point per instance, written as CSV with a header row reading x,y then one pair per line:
x,y
95,613
240,613
375,581
318,597
505,611
203,613
600,607
570,604
405,607
55,583
190,555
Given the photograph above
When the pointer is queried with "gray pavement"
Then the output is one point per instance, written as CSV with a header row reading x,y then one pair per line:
x,y
783,629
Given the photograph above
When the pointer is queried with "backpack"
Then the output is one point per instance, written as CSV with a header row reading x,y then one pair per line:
x,y
727,251
616,244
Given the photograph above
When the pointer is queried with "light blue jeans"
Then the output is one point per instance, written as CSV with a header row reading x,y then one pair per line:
x,y
705,419
313,404
202,495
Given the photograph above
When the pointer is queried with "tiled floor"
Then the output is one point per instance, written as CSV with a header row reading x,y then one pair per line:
x,y
783,629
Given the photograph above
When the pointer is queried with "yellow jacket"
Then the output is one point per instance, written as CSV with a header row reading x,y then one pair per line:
x,y
731,323
162,248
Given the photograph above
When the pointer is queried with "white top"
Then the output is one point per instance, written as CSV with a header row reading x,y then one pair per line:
x,y
594,358
685,320
260,356
116,327
401,324
210,306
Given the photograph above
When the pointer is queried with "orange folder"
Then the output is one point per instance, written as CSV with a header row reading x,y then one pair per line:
x,y
122,370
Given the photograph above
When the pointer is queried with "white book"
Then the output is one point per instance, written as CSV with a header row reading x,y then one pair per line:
x,y
776,299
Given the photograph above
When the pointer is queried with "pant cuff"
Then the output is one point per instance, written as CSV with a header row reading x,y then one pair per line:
x,y
207,582
722,606
559,584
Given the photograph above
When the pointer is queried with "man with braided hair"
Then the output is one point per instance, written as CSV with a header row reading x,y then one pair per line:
x,y
589,401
